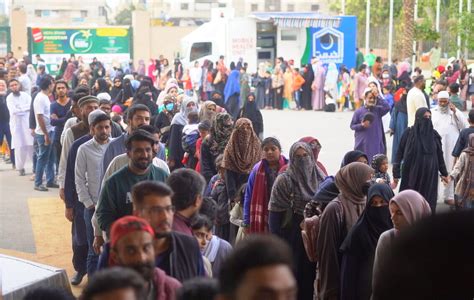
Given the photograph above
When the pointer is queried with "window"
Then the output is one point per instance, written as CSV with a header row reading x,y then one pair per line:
x,y
102,11
199,50
184,6
83,13
254,7
289,35
37,12
222,5
291,7
314,7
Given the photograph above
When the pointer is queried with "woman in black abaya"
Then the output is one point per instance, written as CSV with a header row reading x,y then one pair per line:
x,y
420,158
358,249
308,76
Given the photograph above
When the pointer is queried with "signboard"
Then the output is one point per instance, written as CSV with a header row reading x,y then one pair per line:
x,y
337,45
107,44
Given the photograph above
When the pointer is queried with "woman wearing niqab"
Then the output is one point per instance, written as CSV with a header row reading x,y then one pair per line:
x,y
358,249
292,190
339,216
420,158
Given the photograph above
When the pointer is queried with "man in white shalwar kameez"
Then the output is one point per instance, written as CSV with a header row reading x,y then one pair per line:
x,y
448,121
19,104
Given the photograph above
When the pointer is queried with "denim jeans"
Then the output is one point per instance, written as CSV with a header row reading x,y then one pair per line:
x,y
45,161
92,258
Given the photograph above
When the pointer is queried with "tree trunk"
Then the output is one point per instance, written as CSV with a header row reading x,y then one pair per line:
x,y
408,28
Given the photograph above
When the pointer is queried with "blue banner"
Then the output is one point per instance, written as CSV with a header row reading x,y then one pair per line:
x,y
337,45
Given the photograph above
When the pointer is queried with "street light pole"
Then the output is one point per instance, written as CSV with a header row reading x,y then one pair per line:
x,y
438,7
343,7
458,52
367,27
469,10
413,58
390,33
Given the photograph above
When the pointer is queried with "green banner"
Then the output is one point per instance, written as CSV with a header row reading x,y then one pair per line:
x,y
80,41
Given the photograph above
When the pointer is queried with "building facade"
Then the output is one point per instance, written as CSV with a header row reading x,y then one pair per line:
x,y
63,12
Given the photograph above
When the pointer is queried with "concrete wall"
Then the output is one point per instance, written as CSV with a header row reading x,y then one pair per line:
x,y
167,41
18,32
153,41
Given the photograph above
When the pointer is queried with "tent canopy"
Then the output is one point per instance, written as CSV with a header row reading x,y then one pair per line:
x,y
298,19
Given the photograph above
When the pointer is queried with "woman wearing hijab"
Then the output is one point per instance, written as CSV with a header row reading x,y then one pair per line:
x,y
241,153
292,190
232,93
398,123
208,111
288,88
175,150
308,76
318,86
141,69
126,94
358,249
164,118
69,73
259,83
251,111
116,89
406,208
259,186
338,218
421,154
215,143
463,173
171,88
316,148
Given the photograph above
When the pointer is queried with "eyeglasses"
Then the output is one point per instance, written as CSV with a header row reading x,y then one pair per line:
x,y
158,210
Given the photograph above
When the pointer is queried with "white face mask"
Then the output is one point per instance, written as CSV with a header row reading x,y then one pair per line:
x,y
385,76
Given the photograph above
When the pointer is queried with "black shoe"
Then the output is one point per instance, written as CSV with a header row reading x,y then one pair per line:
x,y
53,185
41,188
22,172
77,278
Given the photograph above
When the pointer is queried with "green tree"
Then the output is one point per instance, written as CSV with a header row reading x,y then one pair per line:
x,y
124,17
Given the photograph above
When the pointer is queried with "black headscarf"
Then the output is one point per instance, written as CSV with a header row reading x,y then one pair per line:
x,y
328,189
361,240
250,109
127,90
115,91
308,76
423,134
218,98
352,156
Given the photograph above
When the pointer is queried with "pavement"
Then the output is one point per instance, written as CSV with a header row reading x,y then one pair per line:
x,y
32,223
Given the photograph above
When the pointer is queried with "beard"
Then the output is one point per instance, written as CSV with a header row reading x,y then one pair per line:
x,y
142,164
16,93
145,269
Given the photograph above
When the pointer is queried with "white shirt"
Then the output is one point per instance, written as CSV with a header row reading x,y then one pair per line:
x,y
25,83
41,106
19,107
415,100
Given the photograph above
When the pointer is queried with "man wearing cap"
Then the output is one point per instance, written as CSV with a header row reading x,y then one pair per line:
x,y
416,99
105,105
74,212
87,174
367,124
137,115
448,122
115,200
131,239
86,104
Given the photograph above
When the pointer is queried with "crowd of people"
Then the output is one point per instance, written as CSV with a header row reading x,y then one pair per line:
x,y
174,193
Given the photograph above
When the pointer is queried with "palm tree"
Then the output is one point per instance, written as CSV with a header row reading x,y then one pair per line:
x,y
408,26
